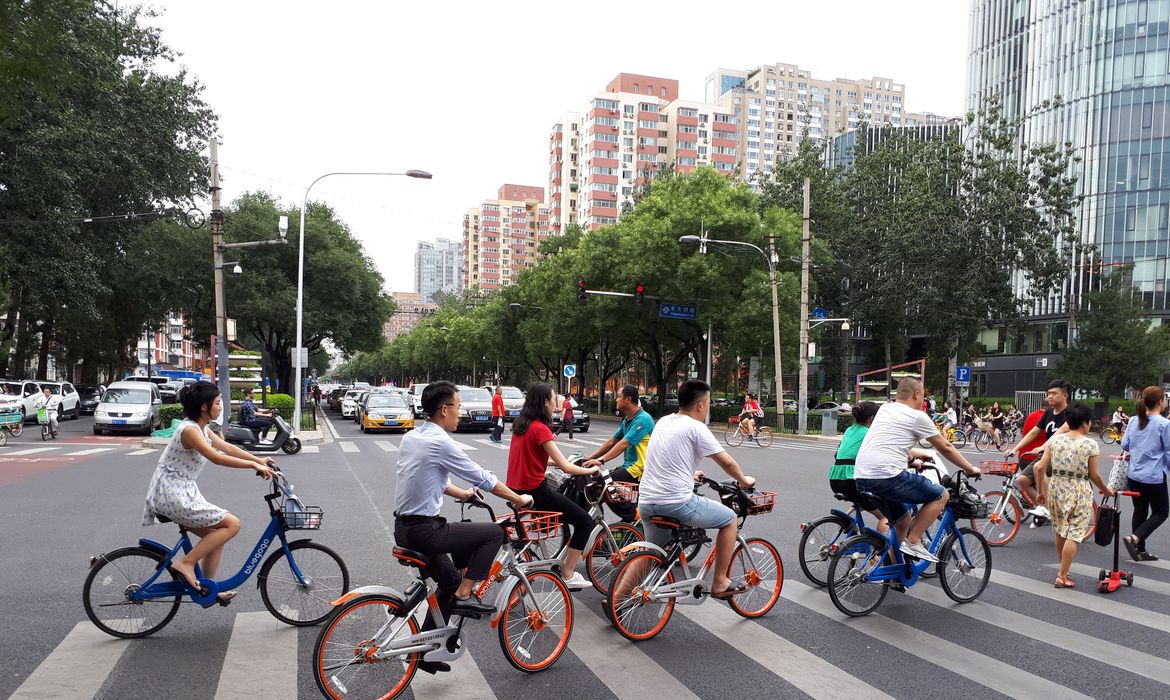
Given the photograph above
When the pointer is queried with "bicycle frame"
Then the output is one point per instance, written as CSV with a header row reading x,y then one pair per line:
x,y
902,571
691,589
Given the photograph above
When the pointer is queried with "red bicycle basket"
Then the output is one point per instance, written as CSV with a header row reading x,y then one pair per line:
x,y
622,492
733,420
761,502
995,467
536,524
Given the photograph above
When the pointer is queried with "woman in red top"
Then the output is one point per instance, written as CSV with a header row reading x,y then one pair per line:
x,y
533,446
566,417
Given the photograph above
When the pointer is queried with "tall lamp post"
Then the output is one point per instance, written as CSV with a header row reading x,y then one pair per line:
x,y
802,409
419,174
771,260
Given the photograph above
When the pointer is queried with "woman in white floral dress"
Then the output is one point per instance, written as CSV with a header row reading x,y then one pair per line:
x,y
174,495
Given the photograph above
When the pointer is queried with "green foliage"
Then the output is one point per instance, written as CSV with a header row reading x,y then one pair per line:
x,y
282,402
171,411
1115,348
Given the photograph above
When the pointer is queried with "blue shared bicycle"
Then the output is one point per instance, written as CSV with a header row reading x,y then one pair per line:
x,y
133,592
864,567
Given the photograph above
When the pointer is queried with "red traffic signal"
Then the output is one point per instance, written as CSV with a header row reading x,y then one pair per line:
x,y
639,292
581,295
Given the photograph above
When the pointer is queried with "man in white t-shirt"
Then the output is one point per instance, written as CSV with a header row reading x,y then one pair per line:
x,y
679,443
886,451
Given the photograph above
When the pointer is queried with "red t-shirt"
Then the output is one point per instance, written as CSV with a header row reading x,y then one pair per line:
x,y
527,457
497,405
567,410
1030,422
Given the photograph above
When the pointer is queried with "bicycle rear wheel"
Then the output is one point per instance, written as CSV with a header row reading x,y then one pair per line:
x,y
763,573
604,556
630,608
964,565
733,437
849,588
534,638
1003,522
815,541
982,441
294,603
764,438
958,439
343,661
1109,436
111,580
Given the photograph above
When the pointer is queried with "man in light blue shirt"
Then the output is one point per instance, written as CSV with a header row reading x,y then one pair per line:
x,y
427,460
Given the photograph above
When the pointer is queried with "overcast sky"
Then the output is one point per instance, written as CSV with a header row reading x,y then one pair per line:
x,y
470,90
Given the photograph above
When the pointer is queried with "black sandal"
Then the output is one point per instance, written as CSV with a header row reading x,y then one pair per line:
x,y
736,588
1143,555
1131,546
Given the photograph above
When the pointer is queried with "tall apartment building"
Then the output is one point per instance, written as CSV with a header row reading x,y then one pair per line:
x,y
170,347
438,267
599,156
501,236
773,105
411,308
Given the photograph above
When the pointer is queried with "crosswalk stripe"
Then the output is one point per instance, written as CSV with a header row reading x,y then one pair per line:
x,y
29,451
135,453
465,447
311,449
92,451
1138,581
258,635
590,441
1158,564
348,446
491,444
1086,601
805,670
386,445
1129,659
984,670
76,668
630,674
464,680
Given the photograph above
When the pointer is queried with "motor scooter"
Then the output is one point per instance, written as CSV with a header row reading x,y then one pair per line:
x,y
249,439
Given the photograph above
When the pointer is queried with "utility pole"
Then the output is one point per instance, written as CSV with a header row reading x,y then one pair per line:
x,y
710,329
221,351
802,397
772,260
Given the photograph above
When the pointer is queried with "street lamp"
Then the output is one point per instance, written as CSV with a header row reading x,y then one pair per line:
x,y
417,174
771,259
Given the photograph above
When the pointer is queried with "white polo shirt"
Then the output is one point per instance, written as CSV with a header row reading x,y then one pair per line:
x,y
886,448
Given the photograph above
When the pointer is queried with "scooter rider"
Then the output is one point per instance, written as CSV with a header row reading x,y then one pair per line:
x,y
50,402
253,417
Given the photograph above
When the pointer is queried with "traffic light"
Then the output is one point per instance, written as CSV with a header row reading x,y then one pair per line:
x,y
581,295
639,292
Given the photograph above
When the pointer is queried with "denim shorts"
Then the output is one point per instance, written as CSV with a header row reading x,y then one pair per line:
x,y
696,512
896,491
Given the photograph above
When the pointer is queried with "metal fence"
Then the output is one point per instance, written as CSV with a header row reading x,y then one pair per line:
x,y
1028,401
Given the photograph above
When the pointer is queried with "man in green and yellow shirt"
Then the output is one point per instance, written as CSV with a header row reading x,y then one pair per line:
x,y
631,437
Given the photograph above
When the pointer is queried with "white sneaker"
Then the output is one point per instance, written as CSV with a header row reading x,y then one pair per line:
x,y
1039,512
918,551
576,582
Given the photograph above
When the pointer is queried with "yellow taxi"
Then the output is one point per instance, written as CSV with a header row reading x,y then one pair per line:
x,y
386,412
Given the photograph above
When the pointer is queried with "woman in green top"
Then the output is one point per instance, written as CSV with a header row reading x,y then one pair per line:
x,y
841,474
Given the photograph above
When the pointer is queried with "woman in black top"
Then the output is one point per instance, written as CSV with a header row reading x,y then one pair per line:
x,y
997,417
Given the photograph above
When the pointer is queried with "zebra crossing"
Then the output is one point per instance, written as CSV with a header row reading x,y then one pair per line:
x,y
68,449
261,656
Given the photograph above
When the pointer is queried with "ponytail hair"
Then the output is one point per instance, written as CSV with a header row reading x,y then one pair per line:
x,y
1150,398
195,396
864,412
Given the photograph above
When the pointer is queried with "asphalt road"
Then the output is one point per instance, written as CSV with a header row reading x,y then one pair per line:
x,y
80,496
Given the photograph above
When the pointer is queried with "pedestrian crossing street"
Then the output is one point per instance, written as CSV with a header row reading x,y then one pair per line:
x,y
791,652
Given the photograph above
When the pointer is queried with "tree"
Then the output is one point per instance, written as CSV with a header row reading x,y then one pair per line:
x,y
1116,347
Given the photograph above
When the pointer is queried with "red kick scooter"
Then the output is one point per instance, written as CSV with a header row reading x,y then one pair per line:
x,y
1109,581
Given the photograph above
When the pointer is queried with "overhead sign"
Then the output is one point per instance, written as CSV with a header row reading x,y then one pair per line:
x,y
819,313
570,371
963,375
686,312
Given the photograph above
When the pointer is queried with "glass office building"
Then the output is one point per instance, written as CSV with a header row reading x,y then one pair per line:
x,y
1107,61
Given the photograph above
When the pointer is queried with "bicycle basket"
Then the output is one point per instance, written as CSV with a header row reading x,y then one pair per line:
x,y
758,502
622,492
970,504
733,420
536,524
43,416
995,467
296,516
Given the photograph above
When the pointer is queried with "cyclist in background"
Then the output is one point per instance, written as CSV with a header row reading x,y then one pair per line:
x,y
50,402
1119,419
970,417
950,420
751,412
1031,444
630,440
997,417
1015,416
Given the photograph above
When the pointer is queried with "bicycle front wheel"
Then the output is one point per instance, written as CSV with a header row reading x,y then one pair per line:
x,y
815,542
764,438
344,664
633,613
982,441
533,638
309,603
1003,522
759,566
1109,436
108,588
964,565
849,586
733,437
605,554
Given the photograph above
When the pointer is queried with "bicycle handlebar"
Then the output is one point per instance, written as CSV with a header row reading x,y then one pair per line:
x,y
1132,494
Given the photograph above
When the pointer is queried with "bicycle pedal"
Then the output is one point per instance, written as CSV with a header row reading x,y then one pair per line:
x,y
896,586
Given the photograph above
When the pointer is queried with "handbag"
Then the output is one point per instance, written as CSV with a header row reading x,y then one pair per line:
x,y
1107,518
1119,474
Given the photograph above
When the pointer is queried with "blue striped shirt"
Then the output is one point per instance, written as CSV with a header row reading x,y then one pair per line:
x,y
1148,449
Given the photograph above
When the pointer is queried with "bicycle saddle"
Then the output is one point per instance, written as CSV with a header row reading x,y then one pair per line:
x,y
409,557
663,521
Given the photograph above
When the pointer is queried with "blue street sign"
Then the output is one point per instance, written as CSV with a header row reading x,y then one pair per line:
x,y
962,375
686,312
570,371
820,312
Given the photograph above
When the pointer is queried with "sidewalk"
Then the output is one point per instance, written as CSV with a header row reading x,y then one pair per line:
x,y
307,437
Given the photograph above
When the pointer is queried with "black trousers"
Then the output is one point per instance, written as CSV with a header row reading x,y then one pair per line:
x,y
498,428
544,498
566,425
471,545
1150,509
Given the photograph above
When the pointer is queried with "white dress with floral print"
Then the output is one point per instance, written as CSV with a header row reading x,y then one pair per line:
x,y
173,492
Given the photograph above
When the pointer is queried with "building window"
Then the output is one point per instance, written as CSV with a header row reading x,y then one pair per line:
x,y
636,88
1130,218
663,92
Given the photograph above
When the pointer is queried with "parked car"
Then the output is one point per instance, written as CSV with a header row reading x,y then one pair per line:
x,y
128,407
834,406
475,411
89,395
170,392
156,379
387,411
580,417
70,400
349,403
416,391
651,400
513,400
10,397
27,391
